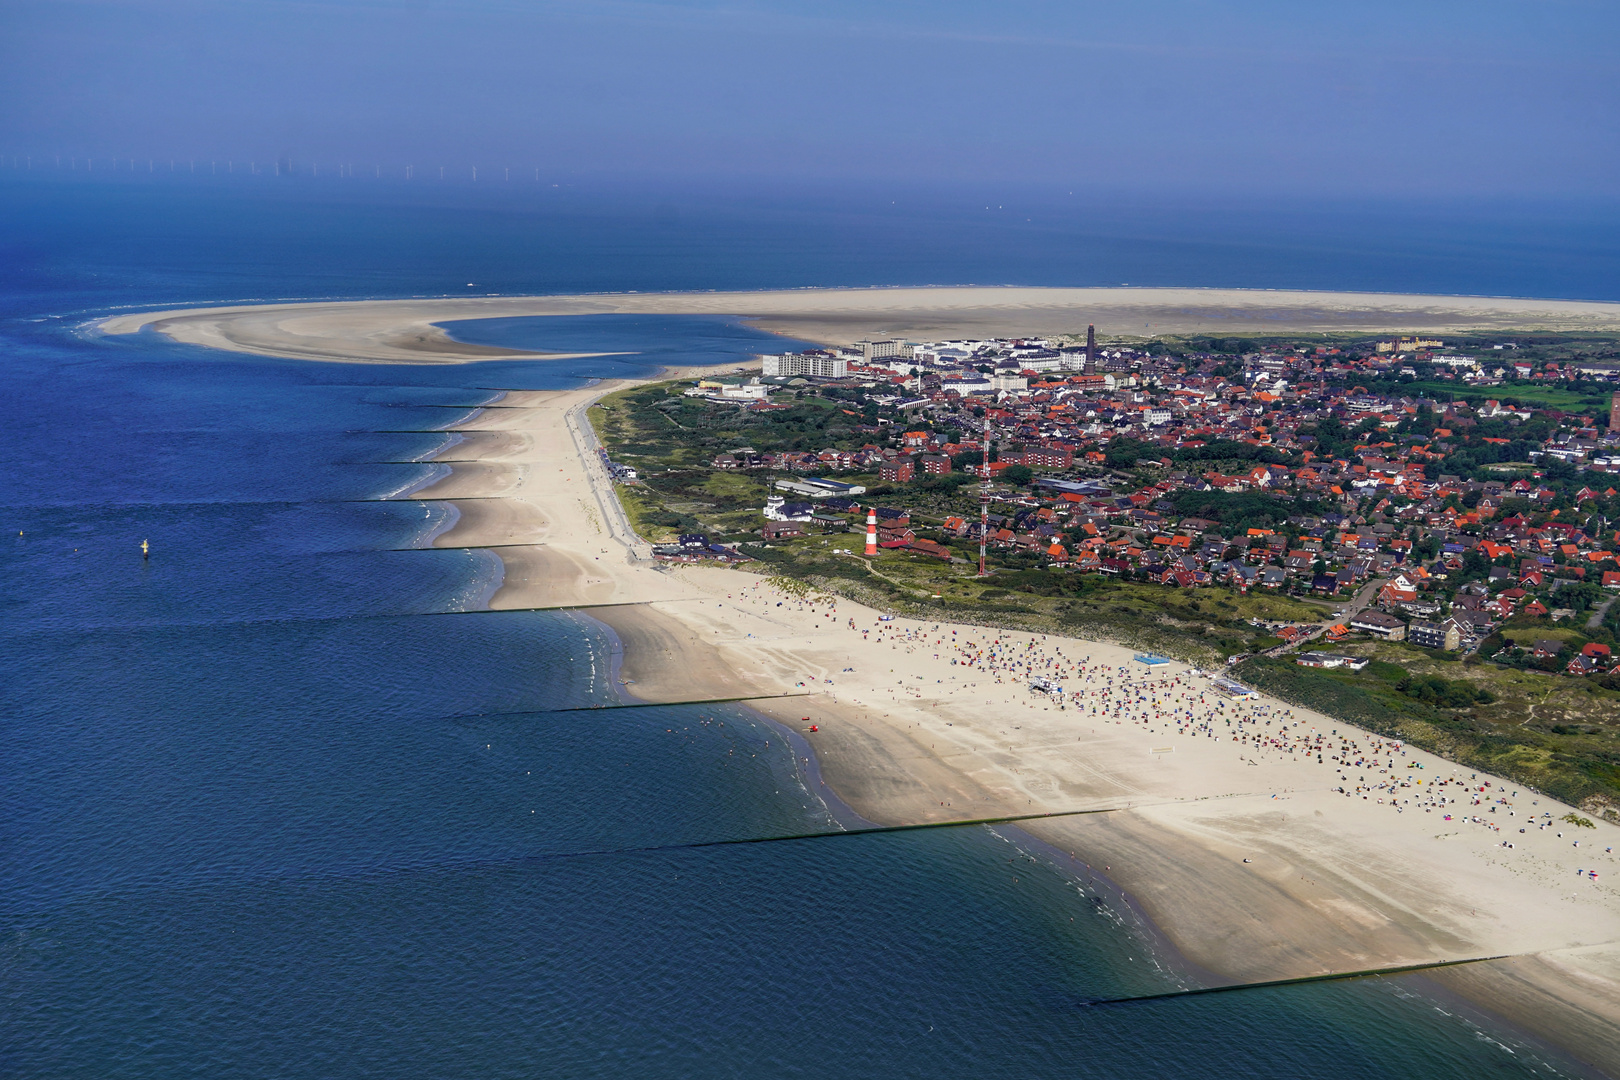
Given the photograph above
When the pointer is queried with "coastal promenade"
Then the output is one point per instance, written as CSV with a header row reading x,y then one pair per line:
x,y
589,448
1254,859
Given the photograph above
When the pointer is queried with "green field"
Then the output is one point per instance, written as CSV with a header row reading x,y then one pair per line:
x,y
1594,401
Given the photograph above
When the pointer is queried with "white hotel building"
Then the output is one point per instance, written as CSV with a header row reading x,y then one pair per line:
x,y
823,365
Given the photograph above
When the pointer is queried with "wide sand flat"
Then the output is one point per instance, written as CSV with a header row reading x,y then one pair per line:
x,y
407,331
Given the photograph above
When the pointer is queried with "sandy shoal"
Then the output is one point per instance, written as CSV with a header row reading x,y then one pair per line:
x,y
408,331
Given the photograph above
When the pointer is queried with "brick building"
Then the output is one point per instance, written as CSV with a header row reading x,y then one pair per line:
x,y
898,471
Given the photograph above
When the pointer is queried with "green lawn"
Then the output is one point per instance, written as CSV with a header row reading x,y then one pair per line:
x,y
1549,397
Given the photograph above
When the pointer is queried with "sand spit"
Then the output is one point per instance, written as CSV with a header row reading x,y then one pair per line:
x,y
406,331
323,332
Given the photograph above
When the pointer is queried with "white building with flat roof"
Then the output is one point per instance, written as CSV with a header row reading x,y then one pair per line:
x,y
878,350
821,365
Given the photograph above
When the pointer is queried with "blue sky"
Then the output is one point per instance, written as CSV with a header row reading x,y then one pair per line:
x,y
1488,98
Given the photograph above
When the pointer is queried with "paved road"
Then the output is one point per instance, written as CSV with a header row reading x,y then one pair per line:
x,y
1596,621
1363,598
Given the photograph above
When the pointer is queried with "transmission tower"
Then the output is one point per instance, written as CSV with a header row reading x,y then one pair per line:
x,y
984,493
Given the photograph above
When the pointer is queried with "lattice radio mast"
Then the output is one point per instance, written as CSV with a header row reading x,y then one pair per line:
x,y
984,492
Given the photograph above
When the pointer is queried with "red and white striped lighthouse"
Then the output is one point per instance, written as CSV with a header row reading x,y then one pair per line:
x,y
871,530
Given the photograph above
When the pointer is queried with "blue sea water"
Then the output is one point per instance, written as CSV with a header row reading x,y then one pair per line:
x,y
284,800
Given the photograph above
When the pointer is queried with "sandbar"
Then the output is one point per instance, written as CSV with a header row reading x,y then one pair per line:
x,y
409,331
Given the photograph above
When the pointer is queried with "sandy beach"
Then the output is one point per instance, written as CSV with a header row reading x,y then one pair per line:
x,y
1263,842
1240,847
409,331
